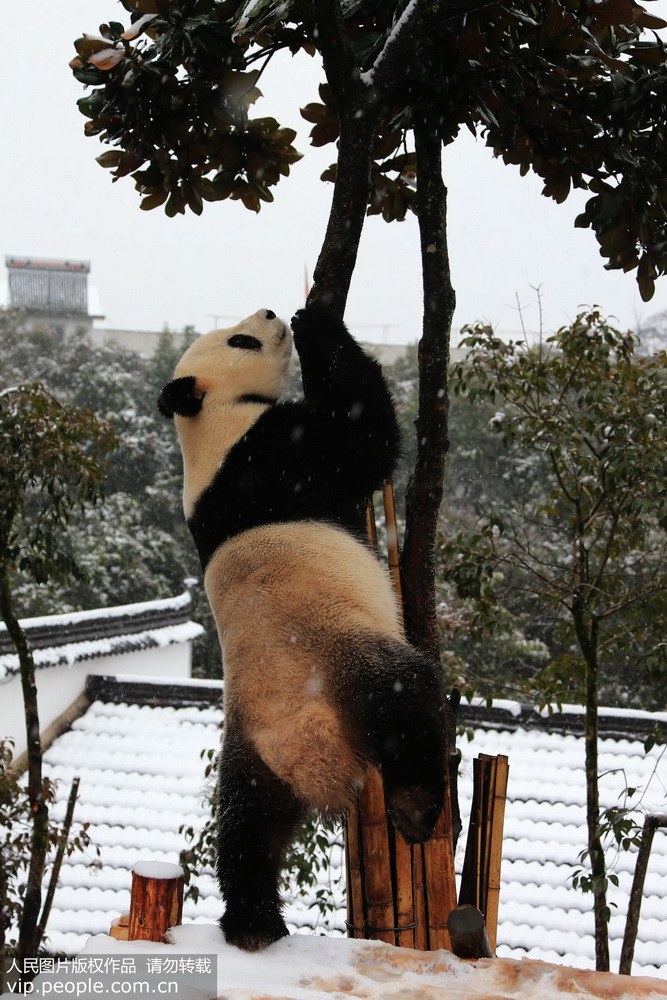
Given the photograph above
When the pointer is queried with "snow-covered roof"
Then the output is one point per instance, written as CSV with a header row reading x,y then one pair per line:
x,y
140,753
83,635
142,777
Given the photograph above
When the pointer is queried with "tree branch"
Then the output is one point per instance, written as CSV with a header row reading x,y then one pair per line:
x,y
340,66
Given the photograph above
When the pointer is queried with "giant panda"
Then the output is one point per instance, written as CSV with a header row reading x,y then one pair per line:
x,y
319,682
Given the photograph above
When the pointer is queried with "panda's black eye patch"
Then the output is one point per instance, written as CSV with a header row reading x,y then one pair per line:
x,y
245,341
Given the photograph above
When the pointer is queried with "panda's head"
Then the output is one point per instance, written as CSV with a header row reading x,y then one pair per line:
x,y
222,384
247,362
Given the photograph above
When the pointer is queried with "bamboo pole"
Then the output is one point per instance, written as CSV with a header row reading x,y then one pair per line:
x,y
393,555
440,875
469,889
354,871
419,898
487,828
405,901
496,852
379,896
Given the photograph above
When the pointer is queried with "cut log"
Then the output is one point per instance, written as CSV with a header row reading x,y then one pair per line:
x,y
467,932
157,900
120,927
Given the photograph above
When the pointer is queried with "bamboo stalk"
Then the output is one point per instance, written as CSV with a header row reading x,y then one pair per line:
x,y
375,858
419,898
370,526
496,850
440,876
393,555
490,765
405,905
355,882
469,889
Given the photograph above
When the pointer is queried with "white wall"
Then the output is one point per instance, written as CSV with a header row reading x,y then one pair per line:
x,y
58,687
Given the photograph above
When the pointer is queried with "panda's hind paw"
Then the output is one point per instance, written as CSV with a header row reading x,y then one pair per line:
x,y
252,931
414,812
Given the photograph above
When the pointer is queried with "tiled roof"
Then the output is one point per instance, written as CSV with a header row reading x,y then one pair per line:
x,y
141,777
541,914
83,635
141,773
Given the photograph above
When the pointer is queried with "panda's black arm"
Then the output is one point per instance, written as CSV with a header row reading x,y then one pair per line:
x,y
347,390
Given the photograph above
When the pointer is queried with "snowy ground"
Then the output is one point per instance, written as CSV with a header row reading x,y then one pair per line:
x,y
305,967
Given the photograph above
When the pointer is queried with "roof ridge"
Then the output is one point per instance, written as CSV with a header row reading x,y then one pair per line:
x,y
154,691
568,719
99,623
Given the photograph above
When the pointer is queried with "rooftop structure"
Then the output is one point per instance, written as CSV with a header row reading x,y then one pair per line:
x,y
151,638
138,753
56,287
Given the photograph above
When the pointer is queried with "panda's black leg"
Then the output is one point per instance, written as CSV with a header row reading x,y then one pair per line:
x,y
397,701
257,817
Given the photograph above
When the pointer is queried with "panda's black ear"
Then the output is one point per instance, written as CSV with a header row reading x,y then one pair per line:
x,y
180,396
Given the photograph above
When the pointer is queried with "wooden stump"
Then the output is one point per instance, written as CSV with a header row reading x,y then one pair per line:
x,y
157,900
467,932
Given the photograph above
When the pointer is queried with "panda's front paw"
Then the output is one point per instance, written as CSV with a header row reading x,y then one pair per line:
x,y
252,930
319,321
299,322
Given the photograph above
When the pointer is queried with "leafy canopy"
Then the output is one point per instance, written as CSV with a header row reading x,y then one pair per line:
x,y
583,421
53,464
573,90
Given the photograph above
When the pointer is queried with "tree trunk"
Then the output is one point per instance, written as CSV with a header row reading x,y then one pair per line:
x,y
338,256
425,488
587,635
28,943
424,493
4,921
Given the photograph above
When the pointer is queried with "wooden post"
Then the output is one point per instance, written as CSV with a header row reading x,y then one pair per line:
x,y
157,900
467,933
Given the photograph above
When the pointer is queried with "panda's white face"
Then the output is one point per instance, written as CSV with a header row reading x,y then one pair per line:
x,y
221,385
251,358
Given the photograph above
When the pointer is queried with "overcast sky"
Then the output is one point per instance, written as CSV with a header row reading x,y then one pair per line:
x,y
148,270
